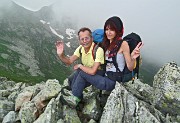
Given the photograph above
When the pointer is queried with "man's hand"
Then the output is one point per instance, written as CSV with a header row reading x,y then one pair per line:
x,y
59,47
77,66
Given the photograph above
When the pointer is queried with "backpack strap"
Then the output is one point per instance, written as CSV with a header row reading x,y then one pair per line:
x,y
80,51
125,70
80,54
114,57
95,47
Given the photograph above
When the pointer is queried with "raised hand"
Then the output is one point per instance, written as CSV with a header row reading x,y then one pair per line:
x,y
136,52
59,47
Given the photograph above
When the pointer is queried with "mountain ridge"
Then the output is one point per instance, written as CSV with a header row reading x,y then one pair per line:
x,y
27,46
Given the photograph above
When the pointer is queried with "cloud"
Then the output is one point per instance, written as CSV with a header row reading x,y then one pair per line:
x,y
157,22
5,3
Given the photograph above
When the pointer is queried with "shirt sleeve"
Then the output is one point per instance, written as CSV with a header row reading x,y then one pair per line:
x,y
77,52
100,55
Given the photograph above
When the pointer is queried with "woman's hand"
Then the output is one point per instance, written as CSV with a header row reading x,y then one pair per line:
x,y
136,52
59,47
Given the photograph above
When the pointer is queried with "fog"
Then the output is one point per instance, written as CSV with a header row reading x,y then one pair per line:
x,y
157,22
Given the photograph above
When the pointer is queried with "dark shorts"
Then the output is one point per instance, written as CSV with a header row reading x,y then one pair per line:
x,y
117,76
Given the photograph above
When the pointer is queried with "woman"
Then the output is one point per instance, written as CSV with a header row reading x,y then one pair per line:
x,y
114,30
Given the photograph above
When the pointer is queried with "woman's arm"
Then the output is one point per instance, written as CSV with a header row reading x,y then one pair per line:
x,y
126,52
130,58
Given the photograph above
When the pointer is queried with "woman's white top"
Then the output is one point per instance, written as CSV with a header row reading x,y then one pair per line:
x,y
120,61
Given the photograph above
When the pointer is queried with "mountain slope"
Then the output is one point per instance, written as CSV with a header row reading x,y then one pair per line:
x,y
27,45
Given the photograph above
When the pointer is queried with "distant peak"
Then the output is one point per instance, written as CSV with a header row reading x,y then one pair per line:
x,y
38,5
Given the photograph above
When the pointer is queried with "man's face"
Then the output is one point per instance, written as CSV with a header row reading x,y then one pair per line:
x,y
85,39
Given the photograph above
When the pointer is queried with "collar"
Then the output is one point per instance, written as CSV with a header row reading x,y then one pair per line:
x,y
90,50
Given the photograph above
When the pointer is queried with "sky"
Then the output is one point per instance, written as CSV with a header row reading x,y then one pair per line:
x,y
156,21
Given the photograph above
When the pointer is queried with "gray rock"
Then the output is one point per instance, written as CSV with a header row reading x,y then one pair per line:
x,y
127,103
11,117
70,115
5,107
92,108
167,89
123,107
28,112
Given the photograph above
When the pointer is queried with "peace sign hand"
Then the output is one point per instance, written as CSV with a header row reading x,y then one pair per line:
x,y
136,52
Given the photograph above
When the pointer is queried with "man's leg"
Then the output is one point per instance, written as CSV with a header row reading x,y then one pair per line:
x,y
79,85
72,78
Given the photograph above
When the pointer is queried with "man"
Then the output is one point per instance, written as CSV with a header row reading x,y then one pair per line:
x,y
89,64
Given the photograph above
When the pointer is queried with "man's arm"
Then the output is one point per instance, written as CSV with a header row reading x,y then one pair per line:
x,y
68,60
89,70
62,56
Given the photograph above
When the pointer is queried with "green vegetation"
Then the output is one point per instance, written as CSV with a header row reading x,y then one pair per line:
x,y
148,71
26,48
51,68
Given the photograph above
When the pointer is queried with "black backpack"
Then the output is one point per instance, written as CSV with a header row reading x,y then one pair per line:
x,y
132,39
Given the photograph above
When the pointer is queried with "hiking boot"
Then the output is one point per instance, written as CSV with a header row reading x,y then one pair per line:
x,y
66,91
72,101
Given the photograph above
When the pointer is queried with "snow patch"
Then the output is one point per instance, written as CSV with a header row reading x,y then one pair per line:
x,y
54,32
68,44
42,21
70,33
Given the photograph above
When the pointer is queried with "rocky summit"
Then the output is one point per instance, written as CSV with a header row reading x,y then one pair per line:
x,y
127,103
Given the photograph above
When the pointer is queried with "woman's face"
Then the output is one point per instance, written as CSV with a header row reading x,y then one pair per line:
x,y
110,33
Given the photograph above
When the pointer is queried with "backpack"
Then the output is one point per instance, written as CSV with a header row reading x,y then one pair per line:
x,y
132,39
98,35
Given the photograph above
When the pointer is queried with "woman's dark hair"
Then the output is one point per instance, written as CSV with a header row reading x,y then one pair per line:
x,y
113,23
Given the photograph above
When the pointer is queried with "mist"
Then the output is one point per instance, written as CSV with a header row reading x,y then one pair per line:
x,y
157,22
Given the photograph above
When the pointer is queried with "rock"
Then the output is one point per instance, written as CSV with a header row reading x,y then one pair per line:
x,y
70,115
28,112
127,103
26,95
167,89
11,117
5,107
92,108
123,107
51,90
